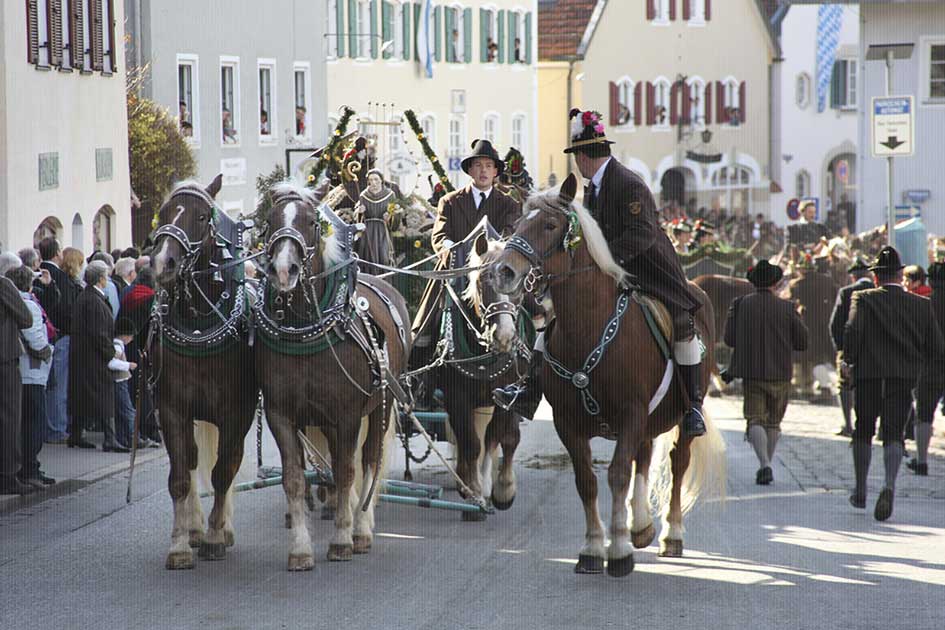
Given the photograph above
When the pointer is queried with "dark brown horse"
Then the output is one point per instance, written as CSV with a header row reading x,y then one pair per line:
x,y
485,343
625,387
327,346
204,365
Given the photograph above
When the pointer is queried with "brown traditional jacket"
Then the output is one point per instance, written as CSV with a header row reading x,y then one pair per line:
x,y
457,215
763,329
626,212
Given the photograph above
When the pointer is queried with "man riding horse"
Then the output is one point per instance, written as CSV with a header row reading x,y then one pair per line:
x,y
621,203
458,213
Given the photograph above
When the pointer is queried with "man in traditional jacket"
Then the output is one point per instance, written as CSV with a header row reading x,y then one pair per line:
x,y
459,212
860,273
623,206
890,336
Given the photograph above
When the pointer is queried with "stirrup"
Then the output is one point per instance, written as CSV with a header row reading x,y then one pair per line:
x,y
693,424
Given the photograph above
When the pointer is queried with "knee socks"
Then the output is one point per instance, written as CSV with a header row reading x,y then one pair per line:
x,y
892,460
773,435
846,404
759,441
923,436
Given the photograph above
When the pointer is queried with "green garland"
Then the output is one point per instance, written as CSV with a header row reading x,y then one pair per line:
x,y
331,147
427,150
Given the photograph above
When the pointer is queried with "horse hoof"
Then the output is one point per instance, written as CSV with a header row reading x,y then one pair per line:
x,y
229,538
587,565
671,548
620,567
301,562
643,538
473,517
328,513
212,551
362,544
502,505
196,538
179,560
340,553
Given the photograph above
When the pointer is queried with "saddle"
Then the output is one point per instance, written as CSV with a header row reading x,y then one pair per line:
x,y
657,318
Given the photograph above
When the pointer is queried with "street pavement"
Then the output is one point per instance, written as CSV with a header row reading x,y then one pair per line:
x,y
790,555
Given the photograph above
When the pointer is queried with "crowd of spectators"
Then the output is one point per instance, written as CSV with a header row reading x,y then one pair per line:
x,y
71,329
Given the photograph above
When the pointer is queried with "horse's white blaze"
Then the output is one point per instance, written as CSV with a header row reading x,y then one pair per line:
x,y
505,328
281,263
533,213
640,504
180,211
160,259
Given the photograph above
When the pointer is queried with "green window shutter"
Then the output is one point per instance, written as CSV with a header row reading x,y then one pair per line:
x,y
353,27
437,34
500,36
513,31
340,27
386,24
528,38
448,35
373,29
406,9
416,27
483,36
836,85
467,35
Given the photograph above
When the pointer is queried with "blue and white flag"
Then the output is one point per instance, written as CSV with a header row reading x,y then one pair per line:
x,y
829,21
424,47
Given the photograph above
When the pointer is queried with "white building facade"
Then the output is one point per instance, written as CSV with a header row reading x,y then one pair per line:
x,y
483,85
246,79
814,153
64,130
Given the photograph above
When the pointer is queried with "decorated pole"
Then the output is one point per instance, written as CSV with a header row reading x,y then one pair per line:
x,y
329,151
428,150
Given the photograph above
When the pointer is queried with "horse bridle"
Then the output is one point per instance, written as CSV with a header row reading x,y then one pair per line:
x,y
169,230
535,276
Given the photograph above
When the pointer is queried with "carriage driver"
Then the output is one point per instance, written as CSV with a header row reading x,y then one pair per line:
x,y
458,213
624,207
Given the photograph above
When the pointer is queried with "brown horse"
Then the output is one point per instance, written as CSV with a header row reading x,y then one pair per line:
x,y
327,346
204,365
624,386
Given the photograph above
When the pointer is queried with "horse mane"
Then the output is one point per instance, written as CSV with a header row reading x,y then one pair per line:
x,y
332,251
471,293
592,235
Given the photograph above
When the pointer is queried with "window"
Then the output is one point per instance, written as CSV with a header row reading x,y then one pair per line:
x,y
517,36
395,137
267,100
457,144
397,36
696,103
735,183
86,35
661,103
109,62
229,101
77,229
519,133
188,98
843,84
660,11
455,33
802,184
102,229
65,18
303,99
932,70
364,29
802,90
696,11
490,128
331,25
731,102
42,7
488,35
624,114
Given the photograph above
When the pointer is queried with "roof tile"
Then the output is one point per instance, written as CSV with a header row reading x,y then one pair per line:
x,y
561,25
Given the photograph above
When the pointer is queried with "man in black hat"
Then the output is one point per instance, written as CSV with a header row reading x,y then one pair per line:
x,y
860,275
890,335
931,385
458,213
763,331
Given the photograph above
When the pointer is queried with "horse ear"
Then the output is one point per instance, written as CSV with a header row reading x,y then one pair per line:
x,y
481,245
568,189
215,186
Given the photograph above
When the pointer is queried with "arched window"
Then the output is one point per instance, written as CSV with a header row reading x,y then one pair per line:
x,y
51,226
490,128
802,90
103,229
77,226
734,183
457,143
661,102
731,101
519,133
802,182
625,109
696,96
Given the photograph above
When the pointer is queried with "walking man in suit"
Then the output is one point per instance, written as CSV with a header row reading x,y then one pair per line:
x,y
890,335
860,273
764,329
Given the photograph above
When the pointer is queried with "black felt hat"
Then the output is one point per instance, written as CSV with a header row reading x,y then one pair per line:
x,y
887,260
587,129
483,148
764,274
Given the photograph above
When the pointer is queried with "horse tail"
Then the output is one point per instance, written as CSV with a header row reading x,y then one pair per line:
x,y
705,477
207,438
375,486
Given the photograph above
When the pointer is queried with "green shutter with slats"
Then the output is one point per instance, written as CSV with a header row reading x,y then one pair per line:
x,y
513,32
528,38
836,85
437,34
500,36
353,28
406,9
467,35
340,27
448,35
416,27
373,29
386,28
483,35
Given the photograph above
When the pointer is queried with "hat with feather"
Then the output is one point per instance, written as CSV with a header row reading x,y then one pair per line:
x,y
587,128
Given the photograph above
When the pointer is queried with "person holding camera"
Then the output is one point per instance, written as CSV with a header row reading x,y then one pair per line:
x,y
763,330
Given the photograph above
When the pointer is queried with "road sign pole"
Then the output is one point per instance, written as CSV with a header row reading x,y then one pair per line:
x,y
890,209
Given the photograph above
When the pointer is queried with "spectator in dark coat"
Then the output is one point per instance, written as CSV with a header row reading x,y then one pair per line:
x,y
91,388
890,336
931,387
763,330
860,274
14,316
136,307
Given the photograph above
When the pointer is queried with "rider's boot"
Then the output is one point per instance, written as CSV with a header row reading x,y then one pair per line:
x,y
693,423
522,399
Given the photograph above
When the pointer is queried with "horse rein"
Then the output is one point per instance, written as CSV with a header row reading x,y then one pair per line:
x,y
535,276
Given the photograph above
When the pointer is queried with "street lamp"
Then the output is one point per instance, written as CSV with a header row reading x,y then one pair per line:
x,y
887,53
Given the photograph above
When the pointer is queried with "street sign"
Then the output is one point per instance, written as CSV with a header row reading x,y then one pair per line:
x,y
893,119
455,164
792,209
